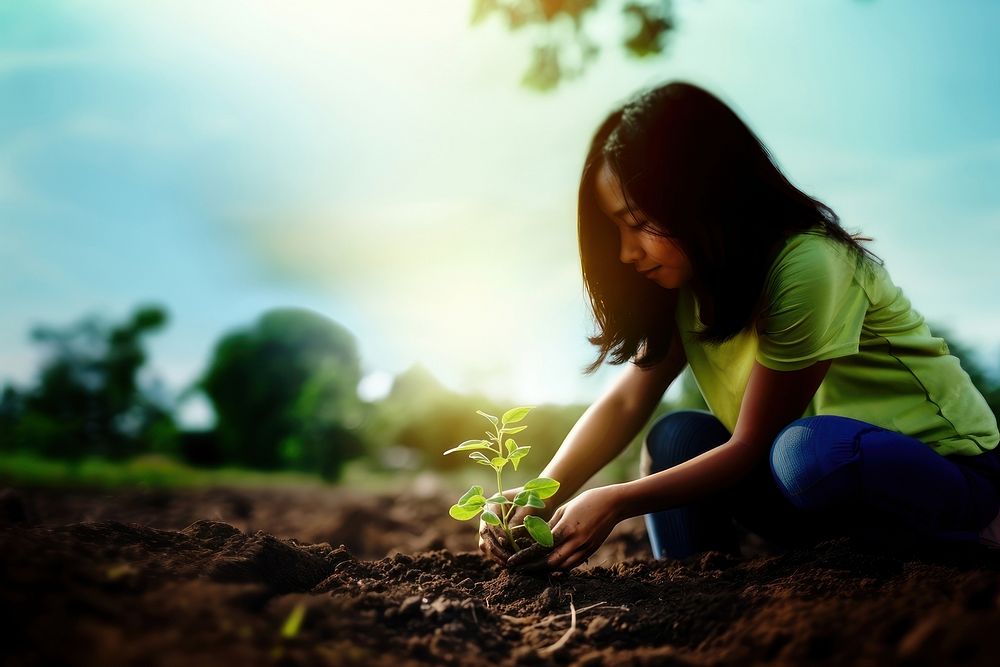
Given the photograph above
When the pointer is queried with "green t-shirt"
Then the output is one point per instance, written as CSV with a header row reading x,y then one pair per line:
x,y
823,302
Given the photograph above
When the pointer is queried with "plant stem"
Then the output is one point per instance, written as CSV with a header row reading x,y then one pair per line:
x,y
504,513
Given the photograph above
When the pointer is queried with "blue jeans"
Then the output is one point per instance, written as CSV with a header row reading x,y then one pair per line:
x,y
824,476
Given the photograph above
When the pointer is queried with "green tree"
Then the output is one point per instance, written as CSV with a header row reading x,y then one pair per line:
x,y
419,414
423,416
11,412
88,399
285,393
562,48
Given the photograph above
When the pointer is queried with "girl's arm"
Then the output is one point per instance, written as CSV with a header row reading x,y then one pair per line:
x,y
603,431
610,423
772,400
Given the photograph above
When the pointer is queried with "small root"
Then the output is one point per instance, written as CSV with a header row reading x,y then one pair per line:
x,y
566,635
549,619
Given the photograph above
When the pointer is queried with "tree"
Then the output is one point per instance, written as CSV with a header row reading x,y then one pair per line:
x,y
562,48
285,393
11,412
424,416
88,400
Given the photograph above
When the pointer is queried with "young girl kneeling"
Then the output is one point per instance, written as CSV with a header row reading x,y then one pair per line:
x,y
833,408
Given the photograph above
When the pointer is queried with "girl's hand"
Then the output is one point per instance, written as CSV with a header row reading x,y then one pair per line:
x,y
578,528
493,542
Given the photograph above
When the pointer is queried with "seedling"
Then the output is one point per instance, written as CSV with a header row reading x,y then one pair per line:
x,y
532,493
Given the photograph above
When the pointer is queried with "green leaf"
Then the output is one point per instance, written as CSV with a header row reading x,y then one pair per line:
x,y
472,503
543,486
498,499
473,491
469,444
480,458
492,419
510,445
515,414
293,622
518,454
491,518
498,462
539,530
513,429
528,499
464,512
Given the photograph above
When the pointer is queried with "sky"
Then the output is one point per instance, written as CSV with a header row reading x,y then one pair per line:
x,y
379,163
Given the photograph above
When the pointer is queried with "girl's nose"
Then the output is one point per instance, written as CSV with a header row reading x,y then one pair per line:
x,y
631,252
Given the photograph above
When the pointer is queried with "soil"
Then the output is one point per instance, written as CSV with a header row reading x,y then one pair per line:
x,y
193,577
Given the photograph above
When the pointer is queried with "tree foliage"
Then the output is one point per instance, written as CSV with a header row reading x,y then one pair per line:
x,y
88,399
422,416
562,48
285,393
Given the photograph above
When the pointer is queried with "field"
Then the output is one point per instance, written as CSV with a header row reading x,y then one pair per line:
x,y
314,575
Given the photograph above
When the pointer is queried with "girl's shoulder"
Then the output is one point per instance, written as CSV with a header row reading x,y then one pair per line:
x,y
816,252
811,243
813,268
811,252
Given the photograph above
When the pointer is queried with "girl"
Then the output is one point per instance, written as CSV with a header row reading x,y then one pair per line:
x,y
833,407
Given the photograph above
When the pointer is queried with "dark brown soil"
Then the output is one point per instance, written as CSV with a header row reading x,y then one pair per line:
x,y
211,577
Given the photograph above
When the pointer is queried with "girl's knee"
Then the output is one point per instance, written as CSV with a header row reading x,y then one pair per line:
x,y
811,461
793,461
682,435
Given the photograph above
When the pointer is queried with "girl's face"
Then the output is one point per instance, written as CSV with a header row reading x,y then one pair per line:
x,y
656,257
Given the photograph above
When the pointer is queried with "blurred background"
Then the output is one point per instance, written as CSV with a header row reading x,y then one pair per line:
x,y
305,242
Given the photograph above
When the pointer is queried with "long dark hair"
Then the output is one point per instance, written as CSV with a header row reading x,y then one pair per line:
x,y
689,169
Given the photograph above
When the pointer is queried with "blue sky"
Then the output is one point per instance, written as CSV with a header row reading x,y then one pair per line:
x,y
224,158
